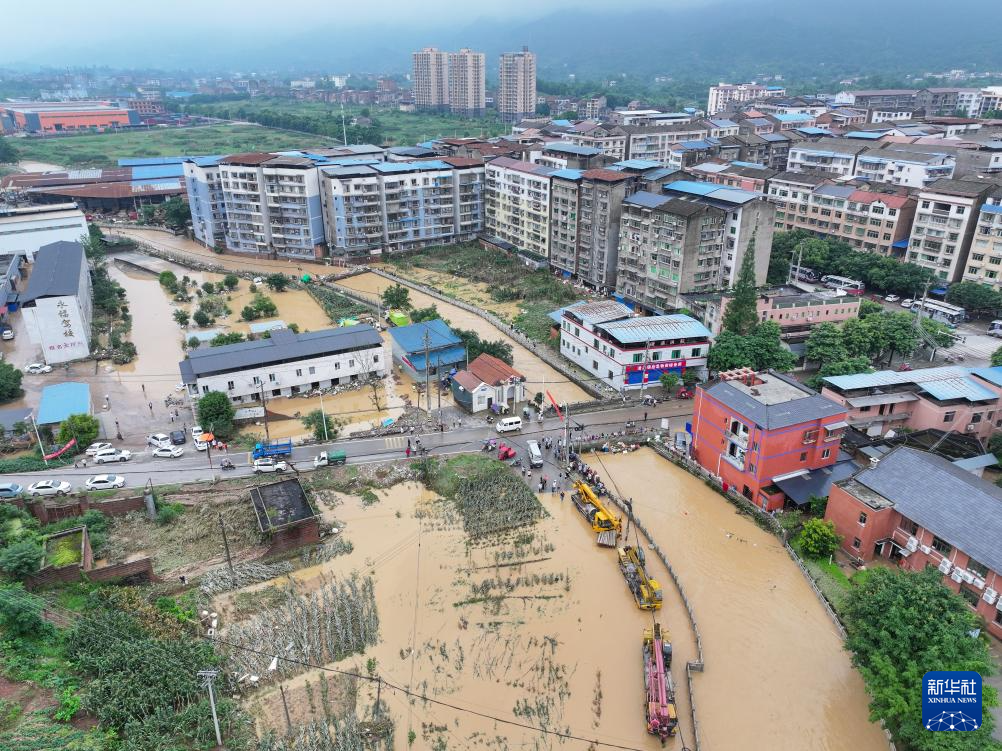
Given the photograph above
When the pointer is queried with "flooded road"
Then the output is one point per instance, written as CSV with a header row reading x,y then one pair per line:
x,y
776,674
539,375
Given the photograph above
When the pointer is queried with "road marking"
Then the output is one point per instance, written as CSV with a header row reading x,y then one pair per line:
x,y
395,442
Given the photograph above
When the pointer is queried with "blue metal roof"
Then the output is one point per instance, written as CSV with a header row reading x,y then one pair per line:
x,y
868,134
901,244
411,338
773,137
653,328
636,164
958,388
568,174
992,209
646,199
448,356
977,462
992,375
723,123
948,382
571,148
155,171
793,117
756,165
693,187
811,131
711,191
61,400
410,166
563,123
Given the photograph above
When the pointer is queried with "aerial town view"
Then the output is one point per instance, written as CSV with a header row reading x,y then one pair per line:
x,y
520,377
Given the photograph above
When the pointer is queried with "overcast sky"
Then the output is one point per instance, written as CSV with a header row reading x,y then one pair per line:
x,y
48,32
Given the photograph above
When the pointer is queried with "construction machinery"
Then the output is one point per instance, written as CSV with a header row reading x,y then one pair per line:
x,y
646,591
601,519
662,717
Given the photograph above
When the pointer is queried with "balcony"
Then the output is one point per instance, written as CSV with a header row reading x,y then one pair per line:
x,y
738,462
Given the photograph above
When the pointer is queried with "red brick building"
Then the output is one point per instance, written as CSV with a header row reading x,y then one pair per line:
x,y
919,509
756,429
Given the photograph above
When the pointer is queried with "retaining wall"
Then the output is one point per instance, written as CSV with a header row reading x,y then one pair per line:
x,y
48,513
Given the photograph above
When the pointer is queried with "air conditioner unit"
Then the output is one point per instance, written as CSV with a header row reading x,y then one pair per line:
x,y
979,583
967,576
971,428
925,549
990,595
912,544
956,575
945,566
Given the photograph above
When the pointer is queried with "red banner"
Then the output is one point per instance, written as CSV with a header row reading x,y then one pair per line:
x,y
63,450
555,405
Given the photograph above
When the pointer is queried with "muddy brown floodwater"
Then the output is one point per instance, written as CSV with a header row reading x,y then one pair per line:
x,y
776,674
539,375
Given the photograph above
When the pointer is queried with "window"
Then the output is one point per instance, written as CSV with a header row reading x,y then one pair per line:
x,y
271,377
942,546
975,418
257,381
655,355
276,392
803,457
594,364
696,351
351,363
205,389
826,453
856,542
862,519
229,385
299,371
948,416
971,595
978,568
375,358
909,526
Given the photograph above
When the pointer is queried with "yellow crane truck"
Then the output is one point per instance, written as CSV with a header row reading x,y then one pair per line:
x,y
646,591
601,519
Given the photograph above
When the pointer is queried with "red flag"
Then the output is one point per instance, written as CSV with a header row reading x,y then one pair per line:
x,y
63,450
555,405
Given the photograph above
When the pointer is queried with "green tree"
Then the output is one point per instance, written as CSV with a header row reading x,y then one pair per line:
x,y
176,212
869,308
230,337
94,245
995,445
424,314
84,428
168,280
997,357
181,317
741,315
818,505
690,377
277,282
397,296
669,381
938,332
249,313
824,345
973,296
20,558
208,288
898,329
193,342
863,337
8,154
314,421
849,366
20,612
147,213
900,625
818,538
730,351
767,348
10,382
475,346
231,281
215,413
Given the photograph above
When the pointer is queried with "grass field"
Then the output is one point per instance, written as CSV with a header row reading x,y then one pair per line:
x,y
400,128
104,149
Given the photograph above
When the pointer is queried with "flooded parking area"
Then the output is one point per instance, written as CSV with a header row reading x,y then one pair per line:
x,y
539,375
776,675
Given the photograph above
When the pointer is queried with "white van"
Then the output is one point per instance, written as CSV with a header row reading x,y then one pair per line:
x,y
535,455
507,424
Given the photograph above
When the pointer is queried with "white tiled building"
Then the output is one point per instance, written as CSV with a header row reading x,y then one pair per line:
x,y
984,264
517,204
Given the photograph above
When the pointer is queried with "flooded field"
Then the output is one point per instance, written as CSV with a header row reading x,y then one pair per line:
x,y
776,675
539,375
475,293
552,642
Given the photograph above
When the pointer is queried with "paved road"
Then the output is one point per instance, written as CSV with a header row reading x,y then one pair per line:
x,y
194,466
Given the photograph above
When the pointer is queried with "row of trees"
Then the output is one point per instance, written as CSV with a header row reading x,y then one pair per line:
x,y
327,125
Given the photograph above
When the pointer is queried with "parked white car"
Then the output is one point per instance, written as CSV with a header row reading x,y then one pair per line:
x,y
159,440
891,298
112,455
267,464
49,487
200,445
96,447
37,368
907,302
196,431
105,482
172,452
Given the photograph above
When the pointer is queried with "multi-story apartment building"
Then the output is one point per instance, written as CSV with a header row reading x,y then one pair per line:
x,y
897,166
517,86
769,149
430,78
724,96
879,99
610,138
747,214
563,155
585,211
626,351
272,205
919,510
944,225
740,175
754,430
654,143
870,220
466,83
206,201
951,398
398,206
984,264
285,364
990,100
829,155
517,204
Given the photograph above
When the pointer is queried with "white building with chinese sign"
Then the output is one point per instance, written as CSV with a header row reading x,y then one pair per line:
x,y
57,303
625,350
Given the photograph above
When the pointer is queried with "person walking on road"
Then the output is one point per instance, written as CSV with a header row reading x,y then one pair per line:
x,y
408,451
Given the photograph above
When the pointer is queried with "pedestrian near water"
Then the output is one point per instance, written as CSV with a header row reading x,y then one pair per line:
x,y
645,417
408,443
172,418
553,486
561,496
408,452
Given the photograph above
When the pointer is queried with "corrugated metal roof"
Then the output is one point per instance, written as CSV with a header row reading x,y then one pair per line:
x,y
56,271
568,174
783,414
711,191
646,199
600,311
283,345
869,135
945,499
570,148
992,209
411,338
894,377
438,357
61,400
640,164
151,172
957,388
773,137
992,375
655,328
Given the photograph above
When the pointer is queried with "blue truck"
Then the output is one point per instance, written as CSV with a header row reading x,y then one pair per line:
x,y
274,448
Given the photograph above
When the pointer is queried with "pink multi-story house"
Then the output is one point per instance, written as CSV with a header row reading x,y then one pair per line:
x,y
951,398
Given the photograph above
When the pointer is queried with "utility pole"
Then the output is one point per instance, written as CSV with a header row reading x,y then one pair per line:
x,y
207,677
438,374
567,434
226,545
38,438
427,372
264,405
643,375
323,415
285,706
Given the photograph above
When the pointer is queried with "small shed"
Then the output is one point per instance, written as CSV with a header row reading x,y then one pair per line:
x,y
488,383
285,515
427,346
61,400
